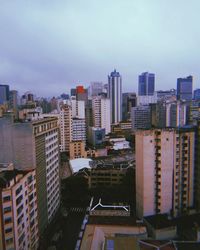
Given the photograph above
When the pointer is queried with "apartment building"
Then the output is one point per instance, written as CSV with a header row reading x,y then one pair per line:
x,y
18,210
164,171
65,127
77,150
35,145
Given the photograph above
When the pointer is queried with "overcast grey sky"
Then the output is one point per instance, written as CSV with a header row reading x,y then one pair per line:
x,y
49,46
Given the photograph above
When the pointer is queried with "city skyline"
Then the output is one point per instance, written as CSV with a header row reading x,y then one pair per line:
x,y
48,47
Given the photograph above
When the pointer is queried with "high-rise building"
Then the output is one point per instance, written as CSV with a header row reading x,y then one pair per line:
x,y
96,136
197,169
81,93
129,100
197,94
35,145
115,95
101,113
65,127
146,84
177,114
164,171
96,88
185,88
78,130
141,117
4,93
18,210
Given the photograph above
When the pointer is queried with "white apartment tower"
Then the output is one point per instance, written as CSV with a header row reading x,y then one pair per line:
x,y
164,171
65,127
115,95
101,113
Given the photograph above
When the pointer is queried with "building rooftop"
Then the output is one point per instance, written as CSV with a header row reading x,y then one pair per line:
x,y
79,163
156,244
159,221
113,220
8,175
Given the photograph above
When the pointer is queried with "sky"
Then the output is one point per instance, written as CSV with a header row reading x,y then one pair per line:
x,y
50,46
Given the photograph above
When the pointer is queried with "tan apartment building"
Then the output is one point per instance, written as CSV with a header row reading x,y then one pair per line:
x,y
18,210
164,171
77,150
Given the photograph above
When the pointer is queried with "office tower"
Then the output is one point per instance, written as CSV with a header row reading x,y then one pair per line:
x,y
115,95
146,84
81,93
96,136
4,94
18,210
141,117
35,145
185,88
177,114
65,127
27,99
194,112
197,94
129,100
158,115
13,99
78,108
96,88
13,102
164,171
101,113
78,131
163,95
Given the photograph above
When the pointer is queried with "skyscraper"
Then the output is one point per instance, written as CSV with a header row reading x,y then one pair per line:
x,y
184,88
146,84
115,95
101,113
4,93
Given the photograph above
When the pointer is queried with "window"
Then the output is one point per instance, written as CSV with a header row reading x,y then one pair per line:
x,y
7,210
6,198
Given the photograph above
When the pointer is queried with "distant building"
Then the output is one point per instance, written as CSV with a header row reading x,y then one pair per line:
x,y
129,100
164,171
141,117
101,113
163,95
96,88
77,150
13,101
185,88
81,93
4,94
78,131
146,84
18,210
65,127
177,113
96,136
197,94
115,95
